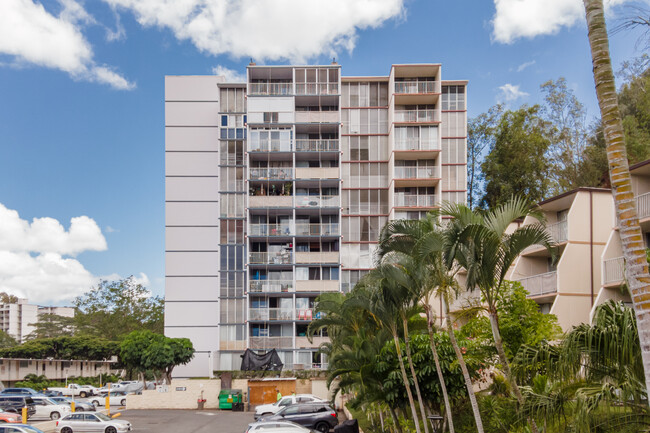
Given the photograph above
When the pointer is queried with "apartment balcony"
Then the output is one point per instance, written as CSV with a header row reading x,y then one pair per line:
x,y
643,205
415,143
318,201
542,284
317,286
317,117
270,230
317,257
270,201
415,201
271,342
416,176
416,116
613,271
323,229
317,88
417,92
284,173
303,342
280,258
317,145
270,286
232,345
270,314
317,173
270,89
307,314
559,231
269,146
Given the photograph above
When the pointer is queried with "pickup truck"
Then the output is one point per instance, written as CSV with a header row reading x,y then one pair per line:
x,y
75,390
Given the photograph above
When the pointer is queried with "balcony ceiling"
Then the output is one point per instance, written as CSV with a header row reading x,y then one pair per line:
x,y
270,73
413,71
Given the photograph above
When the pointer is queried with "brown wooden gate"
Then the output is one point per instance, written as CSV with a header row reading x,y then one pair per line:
x,y
264,391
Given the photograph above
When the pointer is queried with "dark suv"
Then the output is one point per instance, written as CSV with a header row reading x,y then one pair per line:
x,y
16,403
318,416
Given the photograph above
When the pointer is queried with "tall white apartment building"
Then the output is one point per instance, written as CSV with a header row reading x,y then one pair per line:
x,y
16,319
277,188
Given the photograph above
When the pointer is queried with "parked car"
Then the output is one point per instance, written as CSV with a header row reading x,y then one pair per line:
x,y
46,408
9,417
20,428
16,403
270,409
91,422
79,406
272,426
82,391
318,416
20,391
50,393
116,399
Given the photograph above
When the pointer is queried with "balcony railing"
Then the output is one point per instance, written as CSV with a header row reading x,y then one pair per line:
x,y
270,314
416,116
271,342
613,270
559,231
280,258
643,205
317,145
415,200
270,88
416,144
271,173
416,172
324,229
307,314
270,286
270,146
270,230
317,88
541,284
414,87
317,201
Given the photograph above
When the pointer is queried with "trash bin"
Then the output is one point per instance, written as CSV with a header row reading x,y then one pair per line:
x,y
229,396
201,403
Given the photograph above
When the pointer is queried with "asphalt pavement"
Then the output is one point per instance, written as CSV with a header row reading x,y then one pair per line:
x,y
187,421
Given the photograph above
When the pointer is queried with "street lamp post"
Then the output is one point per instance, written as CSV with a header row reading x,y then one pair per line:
x,y
436,422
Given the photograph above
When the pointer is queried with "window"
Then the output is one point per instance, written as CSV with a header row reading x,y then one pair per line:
x,y
270,117
291,410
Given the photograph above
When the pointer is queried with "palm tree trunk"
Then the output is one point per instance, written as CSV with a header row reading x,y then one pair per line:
x,y
398,428
636,265
441,378
498,343
416,383
463,366
407,385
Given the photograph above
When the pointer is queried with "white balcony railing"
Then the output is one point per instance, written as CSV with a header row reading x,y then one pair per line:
x,y
317,145
414,143
317,88
416,172
613,270
317,201
416,116
324,229
270,230
279,258
270,146
541,284
559,231
415,200
271,342
270,314
271,173
270,286
643,205
270,88
414,87
306,314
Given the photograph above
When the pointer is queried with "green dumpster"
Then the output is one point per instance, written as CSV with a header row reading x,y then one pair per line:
x,y
229,396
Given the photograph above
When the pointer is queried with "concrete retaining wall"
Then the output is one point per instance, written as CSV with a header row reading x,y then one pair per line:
x,y
175,398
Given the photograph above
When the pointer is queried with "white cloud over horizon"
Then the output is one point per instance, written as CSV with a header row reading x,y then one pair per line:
x,y
231,75
515,19
294,30
525,65
510,92
31,35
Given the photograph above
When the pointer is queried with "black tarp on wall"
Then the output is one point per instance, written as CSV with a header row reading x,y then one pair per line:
x,y
251,361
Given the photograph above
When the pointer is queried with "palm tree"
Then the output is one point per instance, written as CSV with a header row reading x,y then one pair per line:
x,y
424,241
636,270
481,245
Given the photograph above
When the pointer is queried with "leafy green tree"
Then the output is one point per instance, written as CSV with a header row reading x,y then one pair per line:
x,y
80,347
517,163
114,309
52,325
480,137
7,340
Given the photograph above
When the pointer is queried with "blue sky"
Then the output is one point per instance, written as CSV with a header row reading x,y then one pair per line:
x,y
82,113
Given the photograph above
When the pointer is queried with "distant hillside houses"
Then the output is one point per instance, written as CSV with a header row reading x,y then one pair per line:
x,y
17,316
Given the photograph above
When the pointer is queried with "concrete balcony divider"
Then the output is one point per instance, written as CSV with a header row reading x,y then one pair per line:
x,y
416,87
317,257
262,201
541,284
281,258
317,173
416,172
317,117
271,342
613,270
270,230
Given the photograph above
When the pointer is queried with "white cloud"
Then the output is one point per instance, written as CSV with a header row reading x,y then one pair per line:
x,y
284,29
510,92
516,19
231,75
110,229
525,65
141,279
32,35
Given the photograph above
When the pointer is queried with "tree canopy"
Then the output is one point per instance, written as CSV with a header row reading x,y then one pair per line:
x,y
82,348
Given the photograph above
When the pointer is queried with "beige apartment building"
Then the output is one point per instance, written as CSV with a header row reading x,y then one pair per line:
x,y
17,319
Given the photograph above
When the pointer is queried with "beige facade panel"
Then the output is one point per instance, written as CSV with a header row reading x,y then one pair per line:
x,y
192,87
317,173
191,238
200,288
191,113
191,314
192,189
192,213
270,201
191,139
192,163
257,106
317,286
571,310
191,263
317,257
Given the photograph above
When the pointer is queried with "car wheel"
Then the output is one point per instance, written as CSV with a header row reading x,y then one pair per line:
x,y
11,410
78,409
55,415
95,403
83,394
123,402
323,427
110,429
66,430
2,421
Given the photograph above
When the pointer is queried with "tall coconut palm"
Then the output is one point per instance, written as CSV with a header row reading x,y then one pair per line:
x,y
423,240
636,269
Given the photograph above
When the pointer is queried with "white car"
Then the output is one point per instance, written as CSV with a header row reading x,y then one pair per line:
x,y
91,422
271,409
46,408
273,426
116,399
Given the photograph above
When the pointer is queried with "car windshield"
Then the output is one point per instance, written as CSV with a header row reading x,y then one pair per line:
x,y
48,401
102,416
29,428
